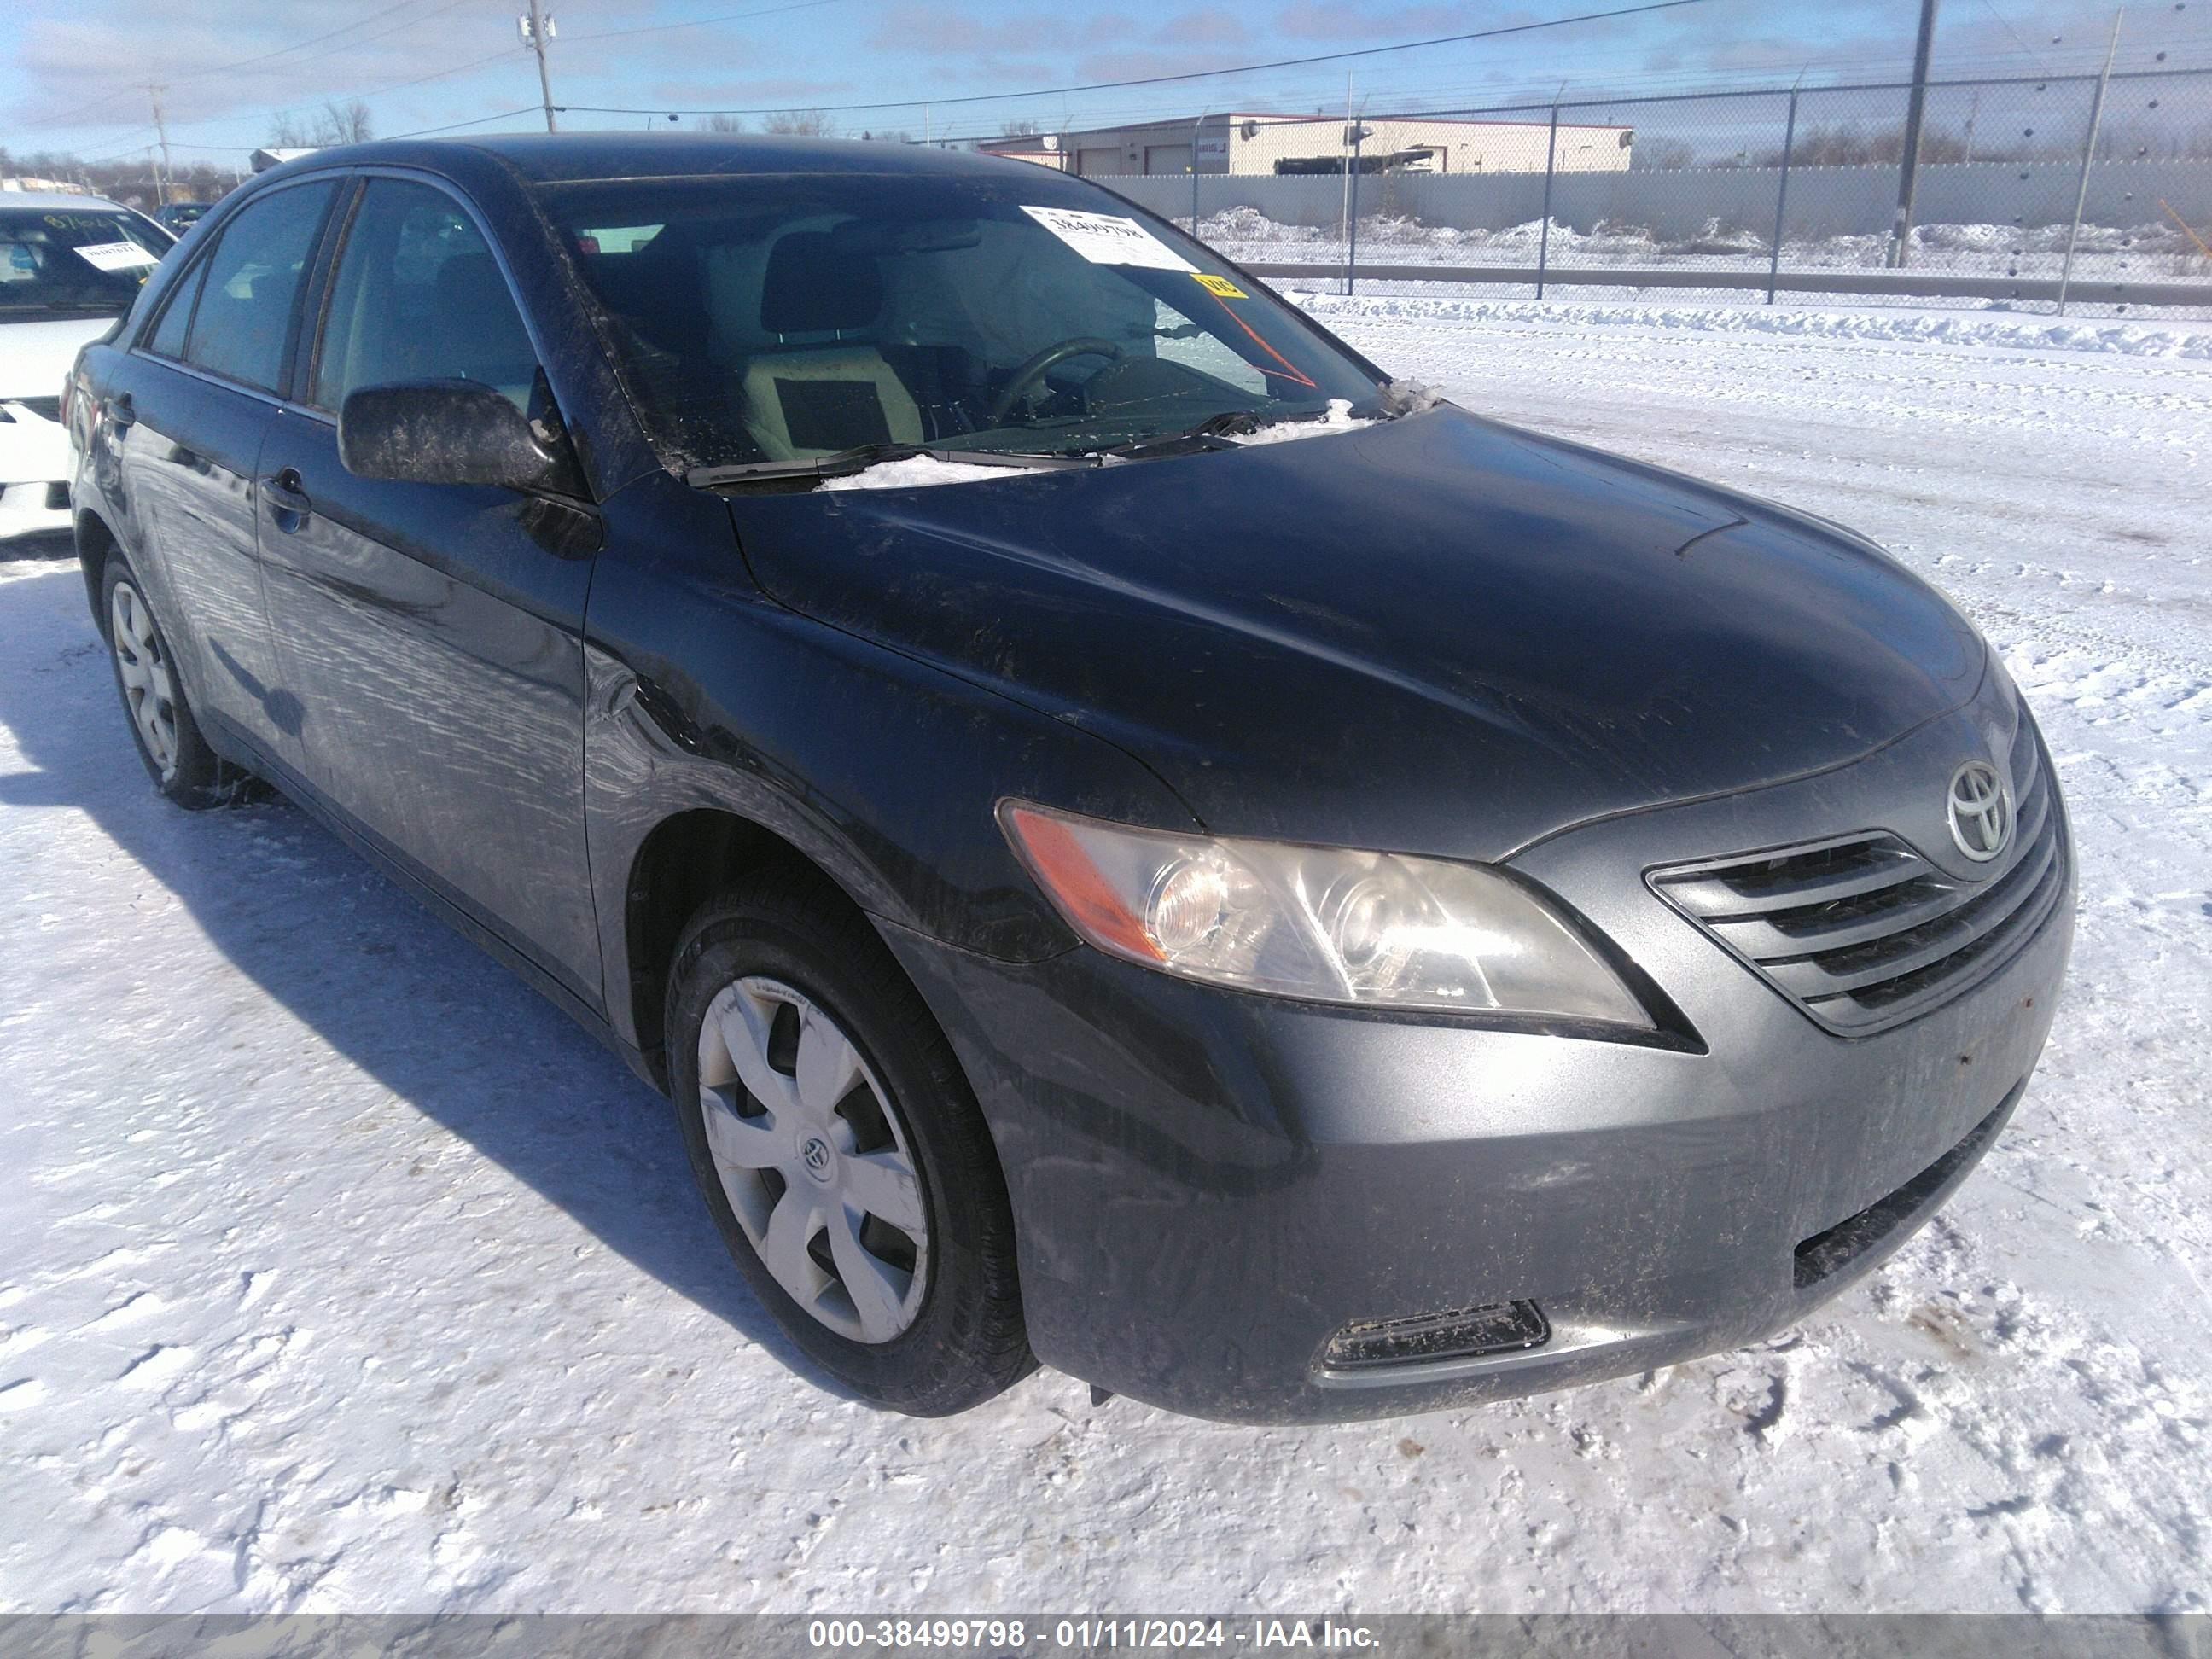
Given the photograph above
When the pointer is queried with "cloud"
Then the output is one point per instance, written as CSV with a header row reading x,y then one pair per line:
x,y
936,31
784,92
1141,64
1213,26
215,61
1313,20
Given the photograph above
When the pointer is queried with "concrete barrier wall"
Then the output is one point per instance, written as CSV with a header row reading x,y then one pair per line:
x,y
1823,201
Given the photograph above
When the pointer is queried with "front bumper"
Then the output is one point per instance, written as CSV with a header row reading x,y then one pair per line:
x,y
1208,1186
34,470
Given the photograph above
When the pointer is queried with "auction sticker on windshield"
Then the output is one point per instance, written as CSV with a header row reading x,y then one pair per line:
x,y
1106,238
117,255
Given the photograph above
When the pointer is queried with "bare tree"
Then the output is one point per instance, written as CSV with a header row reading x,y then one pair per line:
x,y
343,123
334,124
800,123
1020,129
1660,156
901,136
720,123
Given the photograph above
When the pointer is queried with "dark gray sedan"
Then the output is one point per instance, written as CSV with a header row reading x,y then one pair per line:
x,y
1132,838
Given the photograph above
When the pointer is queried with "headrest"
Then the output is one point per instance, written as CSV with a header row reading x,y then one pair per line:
x,y
470,284
812,288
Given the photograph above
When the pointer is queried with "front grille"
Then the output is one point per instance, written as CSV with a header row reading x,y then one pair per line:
x,y
1861,931
1827,1253
47,408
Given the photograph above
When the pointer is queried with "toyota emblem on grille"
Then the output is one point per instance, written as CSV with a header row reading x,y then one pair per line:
x,y
1980,811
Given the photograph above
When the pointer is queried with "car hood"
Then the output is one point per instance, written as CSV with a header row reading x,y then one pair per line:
x,y
1439,634
35,356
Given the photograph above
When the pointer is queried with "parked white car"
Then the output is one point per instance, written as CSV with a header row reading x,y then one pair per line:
x,y
69,266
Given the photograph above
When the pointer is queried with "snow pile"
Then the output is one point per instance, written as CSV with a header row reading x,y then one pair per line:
x,y
915,470
2153,250
1339,418
1969,329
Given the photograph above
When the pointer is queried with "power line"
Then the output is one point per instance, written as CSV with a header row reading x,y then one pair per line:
x,y
1164,80
481,121
2009,29
281,51
271,109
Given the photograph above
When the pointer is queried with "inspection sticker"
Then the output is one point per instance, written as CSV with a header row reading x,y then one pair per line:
x,y
1220,287
117,255
1105,239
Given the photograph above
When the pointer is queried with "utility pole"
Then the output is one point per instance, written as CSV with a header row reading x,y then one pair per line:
x,y
161,129
1909,169
538,28
1197,128
2088,155
1346,221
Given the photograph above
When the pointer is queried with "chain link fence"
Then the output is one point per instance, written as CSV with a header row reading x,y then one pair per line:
x,y
2101,185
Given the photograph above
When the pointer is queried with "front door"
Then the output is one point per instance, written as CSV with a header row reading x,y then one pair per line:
x,y
435,631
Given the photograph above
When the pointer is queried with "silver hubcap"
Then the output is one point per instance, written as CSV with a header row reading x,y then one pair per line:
x,y
813,1159
148,687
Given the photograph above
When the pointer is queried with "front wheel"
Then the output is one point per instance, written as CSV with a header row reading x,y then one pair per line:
x,y
176,757
841,1150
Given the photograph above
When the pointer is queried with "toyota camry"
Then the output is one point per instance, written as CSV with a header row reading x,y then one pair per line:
x,y
1133,837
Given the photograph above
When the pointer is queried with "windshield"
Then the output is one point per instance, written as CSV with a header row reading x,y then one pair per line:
x,y
79,259
782,317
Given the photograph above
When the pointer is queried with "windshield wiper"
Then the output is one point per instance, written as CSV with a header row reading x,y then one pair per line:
x,y
845,462
1214,432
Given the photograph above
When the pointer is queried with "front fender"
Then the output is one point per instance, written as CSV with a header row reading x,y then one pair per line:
x,y
885,771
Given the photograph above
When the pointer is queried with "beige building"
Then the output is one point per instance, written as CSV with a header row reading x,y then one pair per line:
x,y
1258,144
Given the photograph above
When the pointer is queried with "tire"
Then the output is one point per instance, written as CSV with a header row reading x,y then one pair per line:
x,y
162,729
861,1169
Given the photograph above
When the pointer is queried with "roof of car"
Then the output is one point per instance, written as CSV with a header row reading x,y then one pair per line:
x,y
561,158
55,201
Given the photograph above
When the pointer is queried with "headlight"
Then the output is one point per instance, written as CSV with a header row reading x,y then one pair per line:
x,y
1322,923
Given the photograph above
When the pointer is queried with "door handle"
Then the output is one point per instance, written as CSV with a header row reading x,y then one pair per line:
x,y
120,412
283,493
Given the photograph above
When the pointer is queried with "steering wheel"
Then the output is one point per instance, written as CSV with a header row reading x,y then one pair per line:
x,y
1036,368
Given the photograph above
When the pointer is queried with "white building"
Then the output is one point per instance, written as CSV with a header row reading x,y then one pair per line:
x,y
1251,142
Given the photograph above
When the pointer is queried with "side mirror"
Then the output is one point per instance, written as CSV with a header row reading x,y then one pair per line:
x,y
441,432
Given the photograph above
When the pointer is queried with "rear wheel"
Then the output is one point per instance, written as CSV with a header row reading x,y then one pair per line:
x,y
168,737
841,1150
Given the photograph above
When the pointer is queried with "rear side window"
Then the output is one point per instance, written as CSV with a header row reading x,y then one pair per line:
x,y
253,276
168,339
419,296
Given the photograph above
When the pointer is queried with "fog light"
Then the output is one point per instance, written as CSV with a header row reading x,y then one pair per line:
x,y
1456,1334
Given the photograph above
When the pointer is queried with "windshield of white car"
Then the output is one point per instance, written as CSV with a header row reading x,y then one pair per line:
x,y
83,260
778,317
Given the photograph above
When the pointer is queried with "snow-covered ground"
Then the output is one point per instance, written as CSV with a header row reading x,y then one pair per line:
x,y
2152,251
336,1271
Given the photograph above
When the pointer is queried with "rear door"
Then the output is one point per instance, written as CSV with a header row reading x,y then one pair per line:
x,y
193,404
435,631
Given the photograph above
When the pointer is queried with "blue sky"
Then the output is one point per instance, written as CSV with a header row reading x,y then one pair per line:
x,y
74,73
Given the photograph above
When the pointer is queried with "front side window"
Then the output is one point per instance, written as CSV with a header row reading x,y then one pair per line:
x,y
74,262
419,296
244,315
778,317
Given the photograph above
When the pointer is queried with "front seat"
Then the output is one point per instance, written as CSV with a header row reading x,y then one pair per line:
x,y
821,393
475,332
